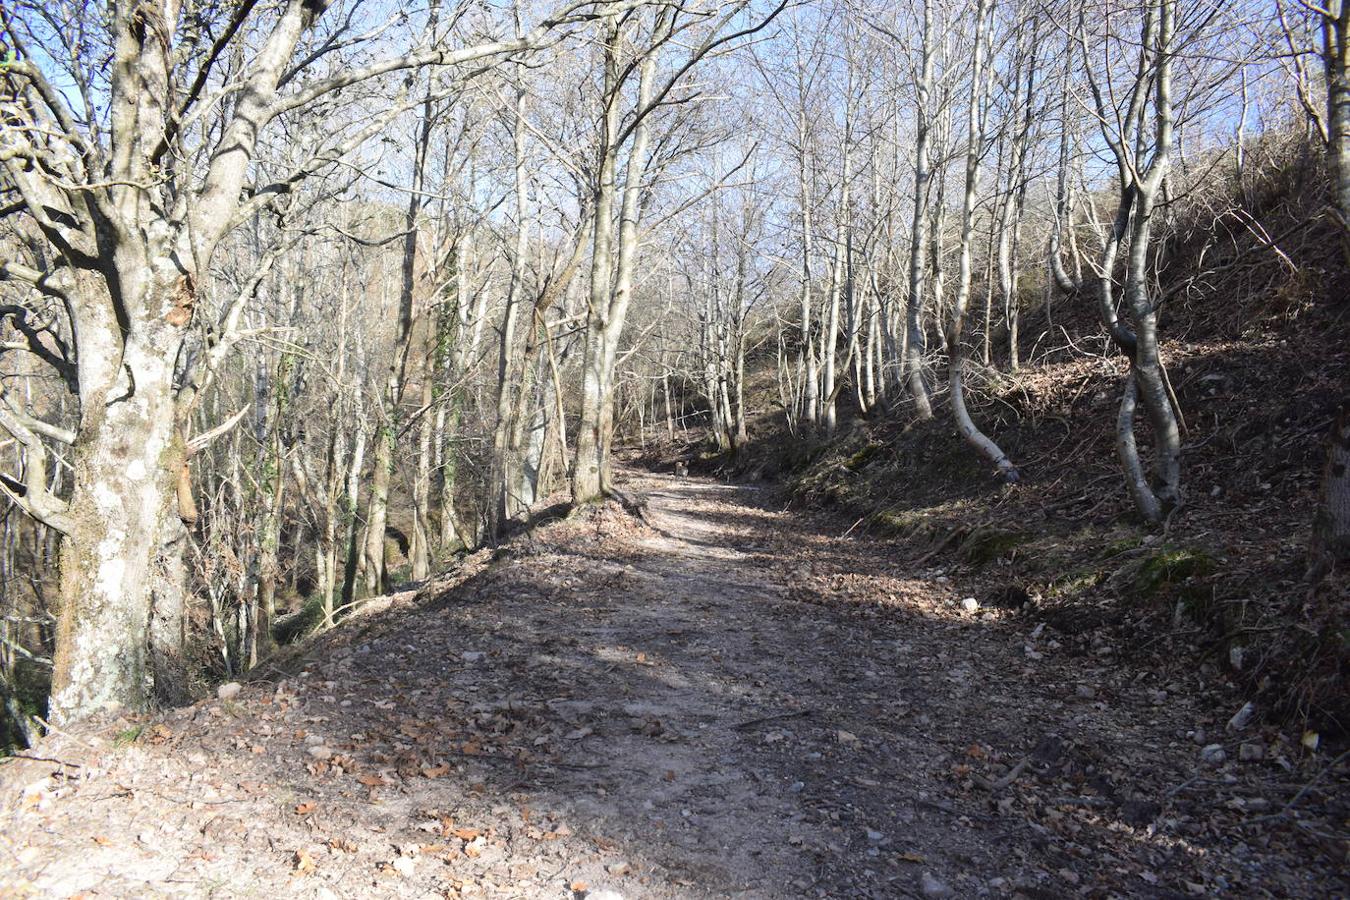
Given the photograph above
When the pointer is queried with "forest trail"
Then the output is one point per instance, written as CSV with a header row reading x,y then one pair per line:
x,y
724,699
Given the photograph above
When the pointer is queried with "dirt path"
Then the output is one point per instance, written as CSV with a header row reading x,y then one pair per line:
x,y
722,700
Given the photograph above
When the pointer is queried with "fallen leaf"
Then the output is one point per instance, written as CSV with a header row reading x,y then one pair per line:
x,y
371,780
579,887
466,834
435,771
102,841
304,809
304,862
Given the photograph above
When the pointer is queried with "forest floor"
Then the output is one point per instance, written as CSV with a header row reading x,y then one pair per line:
x,y
716,697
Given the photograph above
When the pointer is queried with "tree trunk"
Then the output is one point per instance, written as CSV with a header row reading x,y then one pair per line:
x,y
505,477
377,510
120,628
1336,60
914,338
1330,543
956,346
587,469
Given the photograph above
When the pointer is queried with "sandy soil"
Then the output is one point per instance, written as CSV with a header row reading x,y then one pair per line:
x,y
718,698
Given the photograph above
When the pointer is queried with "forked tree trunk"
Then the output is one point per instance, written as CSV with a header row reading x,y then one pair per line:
x,y
609,310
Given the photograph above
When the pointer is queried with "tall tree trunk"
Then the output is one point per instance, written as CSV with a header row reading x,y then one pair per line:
x,y
956,346
810,412
588,467
1336,63
505,477
918,245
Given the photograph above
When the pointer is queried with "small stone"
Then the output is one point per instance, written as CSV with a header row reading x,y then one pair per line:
x,y
874,836
970,604
930,886
404,865
847,737
605,894
1213,755
1085,691
320,751
472,656
1251,752
229,690
619,869
1243,717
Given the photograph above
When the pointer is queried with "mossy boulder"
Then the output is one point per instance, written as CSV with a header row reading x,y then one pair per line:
x,y
1170,567
986,544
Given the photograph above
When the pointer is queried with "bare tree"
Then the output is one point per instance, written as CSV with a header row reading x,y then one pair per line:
x,y
131,208
1141,145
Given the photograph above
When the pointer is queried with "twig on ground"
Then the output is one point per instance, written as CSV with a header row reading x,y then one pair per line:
x,y
1302,792
1006,780
50,759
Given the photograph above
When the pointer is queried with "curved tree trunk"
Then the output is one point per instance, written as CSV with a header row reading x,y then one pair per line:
x,y
956,346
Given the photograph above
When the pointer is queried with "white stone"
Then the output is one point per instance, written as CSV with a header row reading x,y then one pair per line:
x,y
931,887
